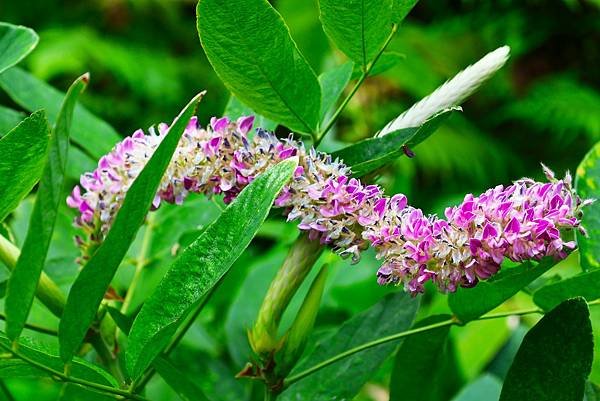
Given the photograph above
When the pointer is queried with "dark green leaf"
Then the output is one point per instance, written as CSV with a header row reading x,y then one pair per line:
x,y
177,380
470,303
592,392
587,182
485,388
90,132
201,266
586,285
370,154
417,371
23,280
401,8
235,109
358,27
250,48
91,284
22,156
332,84
555,357
16,42
9,119
343,379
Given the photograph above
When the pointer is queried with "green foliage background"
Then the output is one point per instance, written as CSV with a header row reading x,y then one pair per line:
x,y
145,59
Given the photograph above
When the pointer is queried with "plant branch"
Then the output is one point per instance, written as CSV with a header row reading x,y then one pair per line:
x,y
450,322
361,79
60,376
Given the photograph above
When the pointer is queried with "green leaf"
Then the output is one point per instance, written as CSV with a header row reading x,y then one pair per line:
x,y
22,156
358,27
91,133
592,392
555,357
177,380
95,277
485,388
587,183
343,379
586,285
14,367
401,8
370,154
201,266
16,42
470,303
386,61
417,371
251,50
332,84
235,109
9,119
23,280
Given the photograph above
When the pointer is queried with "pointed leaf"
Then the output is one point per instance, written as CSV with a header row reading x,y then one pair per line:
x,y
22,156
23,280
358,27
418,363
587,182
470,303
9,119
89,131
16,42
202,265
343,379
555,357
95,277
177,380
251,50
401,8
586,285
370,154
332,84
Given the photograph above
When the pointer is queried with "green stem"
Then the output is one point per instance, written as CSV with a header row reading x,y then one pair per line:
x,y
141,262
397,336
366,70
55,374
35,327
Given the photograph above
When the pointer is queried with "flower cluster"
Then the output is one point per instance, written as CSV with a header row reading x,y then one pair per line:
x,y
523,221
519,222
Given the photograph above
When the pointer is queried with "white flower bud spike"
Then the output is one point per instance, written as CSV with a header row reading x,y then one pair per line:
x,y
451,93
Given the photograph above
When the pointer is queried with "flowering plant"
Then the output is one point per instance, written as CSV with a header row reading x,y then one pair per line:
x,y
271,158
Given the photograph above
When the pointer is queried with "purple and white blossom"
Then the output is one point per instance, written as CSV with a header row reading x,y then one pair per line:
x,y
526,220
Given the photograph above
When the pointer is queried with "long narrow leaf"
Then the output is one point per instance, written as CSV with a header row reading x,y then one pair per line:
x,y
22,156
24,278
91,284
16,42
201,266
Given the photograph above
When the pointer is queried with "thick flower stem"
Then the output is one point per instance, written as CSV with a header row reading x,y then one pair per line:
x,y
301,257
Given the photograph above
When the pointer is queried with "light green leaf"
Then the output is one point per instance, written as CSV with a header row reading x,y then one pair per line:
x,y
586,285
358,27
235,109
343,379
332,84
202,265
401,8
250,48
95,277
23,280
555,357
16,42
22,156
386,61
177,380
470,303
91,133
485,388
417,372
587,182
370,154
9,119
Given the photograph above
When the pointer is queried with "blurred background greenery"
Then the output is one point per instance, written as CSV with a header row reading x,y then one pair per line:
x,y
146,61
